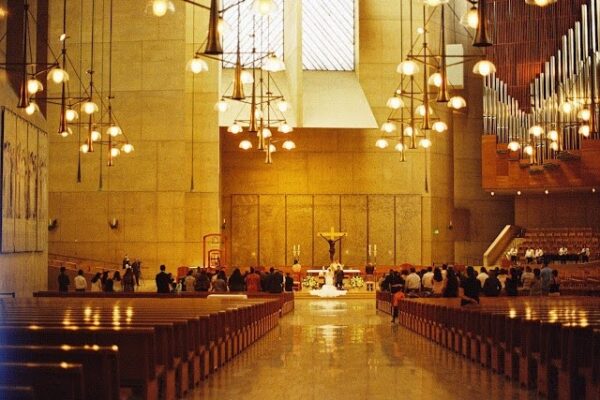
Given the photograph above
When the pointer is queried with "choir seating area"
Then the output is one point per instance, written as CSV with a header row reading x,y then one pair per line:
x,y
551,344
551,239
96,347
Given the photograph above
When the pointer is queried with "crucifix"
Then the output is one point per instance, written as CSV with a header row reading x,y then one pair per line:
x,y
332,237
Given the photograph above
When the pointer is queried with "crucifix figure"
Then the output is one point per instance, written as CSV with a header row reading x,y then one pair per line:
x,y
332,237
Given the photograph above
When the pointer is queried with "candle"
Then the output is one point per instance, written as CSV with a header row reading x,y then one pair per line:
x,y
369,249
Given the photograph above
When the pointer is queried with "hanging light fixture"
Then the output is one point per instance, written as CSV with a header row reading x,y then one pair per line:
x,y
540,3
196,65
484,68
288,145
395,103
457,102
481,38
408,68
471,18
264,7
382,143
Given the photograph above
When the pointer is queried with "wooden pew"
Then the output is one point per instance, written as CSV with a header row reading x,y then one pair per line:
x,y
49,381
16,393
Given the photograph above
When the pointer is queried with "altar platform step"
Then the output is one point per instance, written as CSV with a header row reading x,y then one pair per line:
x,y
351,295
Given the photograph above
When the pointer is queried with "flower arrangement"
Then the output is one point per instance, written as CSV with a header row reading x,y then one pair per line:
x,y
356,282
310,282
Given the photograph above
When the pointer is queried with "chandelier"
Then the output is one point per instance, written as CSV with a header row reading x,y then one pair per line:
x,y
253,89
412,120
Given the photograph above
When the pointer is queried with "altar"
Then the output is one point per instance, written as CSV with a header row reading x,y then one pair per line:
x,y
346,271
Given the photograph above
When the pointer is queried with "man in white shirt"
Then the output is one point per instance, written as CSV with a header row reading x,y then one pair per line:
x,y
585,254
427,280
482,276
539,254
527,277
413,282
562,254
529,254
80,282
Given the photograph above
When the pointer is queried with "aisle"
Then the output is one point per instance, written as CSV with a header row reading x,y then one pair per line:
x,y
343,349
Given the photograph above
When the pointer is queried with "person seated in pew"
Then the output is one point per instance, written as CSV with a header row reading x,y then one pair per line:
x,y
512,283
252,281
501,274
546,278
202,281
413,283
219,285
470,288
563,252
536,285
117,282
236,281
276,282
189,281
289,283
539,256
492,286
452,284
438,283
95,283
163,281
483,276
108,285
128,281
63,280
554,288
527,278
427,280
80,282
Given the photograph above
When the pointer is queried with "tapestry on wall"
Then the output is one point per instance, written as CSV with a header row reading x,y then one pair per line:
x,y
24,177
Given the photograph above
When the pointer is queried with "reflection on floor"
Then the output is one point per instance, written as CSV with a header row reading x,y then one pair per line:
x,y
344,349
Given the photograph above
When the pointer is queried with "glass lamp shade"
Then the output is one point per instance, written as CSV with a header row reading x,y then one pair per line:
x,y
67,132
223,27
71,115
32,108
127,148
196,65
553,135
258,114
484,68
434,3
399,147
470,19
34,86
58,75
439,126
584,130
554,146
409,131
540,3
161,7
115,152
114,131
536,131
273,63
221,106
264,7
567,107
245,145
408,68
420,110
272,148
84,148
514,146
382,143
435,80
425,143
528,150
235,128
388,127
289,145
584,114
95,135
457,102
266,133
89,107
395,103
247,78
285,128
283,106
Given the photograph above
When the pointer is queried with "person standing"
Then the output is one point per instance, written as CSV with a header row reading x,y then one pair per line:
x,y
80,282
339,278
126,262
63,280
470,288
289,283
236,281
252,281
276,282
163,282
117,282
137,271
96,283
546,278
492,285
128,281
220,283
189,281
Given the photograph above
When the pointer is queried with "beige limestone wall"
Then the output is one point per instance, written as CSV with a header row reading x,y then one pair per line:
x,y
167,115
22,273
573,210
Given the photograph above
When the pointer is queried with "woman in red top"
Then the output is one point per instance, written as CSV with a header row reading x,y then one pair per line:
x,y
252,281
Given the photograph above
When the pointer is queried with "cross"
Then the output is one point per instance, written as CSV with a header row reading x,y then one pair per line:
x,y
331,238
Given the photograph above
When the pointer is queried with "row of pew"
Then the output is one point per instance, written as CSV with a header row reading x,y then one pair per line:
x,y
106,348
550,344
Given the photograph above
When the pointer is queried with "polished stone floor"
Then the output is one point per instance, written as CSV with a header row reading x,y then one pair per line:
x,y
344,349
